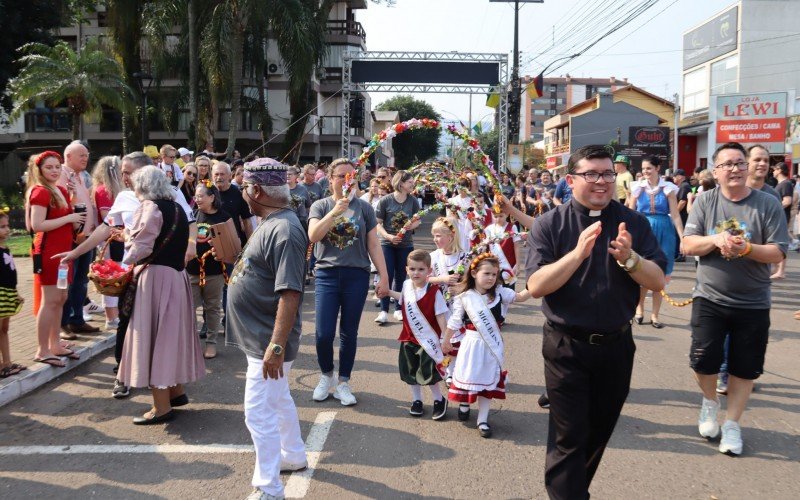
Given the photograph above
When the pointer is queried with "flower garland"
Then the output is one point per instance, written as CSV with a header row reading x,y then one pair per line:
x,y
392,131
417,216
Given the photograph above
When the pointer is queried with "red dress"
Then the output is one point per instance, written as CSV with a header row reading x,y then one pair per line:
x,y
58,240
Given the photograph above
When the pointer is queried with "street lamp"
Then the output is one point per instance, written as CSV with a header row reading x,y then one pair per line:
x,y
144,80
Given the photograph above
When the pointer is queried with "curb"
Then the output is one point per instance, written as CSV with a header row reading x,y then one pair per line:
x,y
35,378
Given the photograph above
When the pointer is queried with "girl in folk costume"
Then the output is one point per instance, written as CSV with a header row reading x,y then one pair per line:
x,y
445,262
480,309
480,218
507,250
424,316
464,202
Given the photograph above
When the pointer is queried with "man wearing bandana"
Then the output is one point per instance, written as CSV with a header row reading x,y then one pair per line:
x,y
266,326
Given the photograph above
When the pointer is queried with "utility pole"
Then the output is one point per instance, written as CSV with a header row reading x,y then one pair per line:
x,y
514,96
675,133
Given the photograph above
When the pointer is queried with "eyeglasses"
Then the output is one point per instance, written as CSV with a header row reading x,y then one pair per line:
x,y
338,176
381,177
593,176
189,173
729,165
170,156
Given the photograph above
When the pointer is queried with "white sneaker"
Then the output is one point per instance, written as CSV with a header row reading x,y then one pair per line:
x,y
258,494
382,318
87,318
731,442
92,308
321,392
707,423
113,324
287,466
398,316
344,394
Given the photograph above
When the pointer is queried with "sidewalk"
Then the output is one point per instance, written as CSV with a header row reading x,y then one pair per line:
x,y
22,335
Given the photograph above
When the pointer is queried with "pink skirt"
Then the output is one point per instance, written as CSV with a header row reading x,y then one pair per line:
x,y
161,345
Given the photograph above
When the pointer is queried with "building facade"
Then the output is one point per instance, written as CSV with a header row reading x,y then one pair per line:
x,y
739,66
47,127
560,93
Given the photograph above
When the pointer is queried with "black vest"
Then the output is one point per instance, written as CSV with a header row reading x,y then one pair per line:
x,y
172,254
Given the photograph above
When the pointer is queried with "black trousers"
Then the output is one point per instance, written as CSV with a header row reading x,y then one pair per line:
x,y
120,340
587,386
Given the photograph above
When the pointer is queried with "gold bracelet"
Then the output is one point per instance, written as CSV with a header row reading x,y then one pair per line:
x,y
747,250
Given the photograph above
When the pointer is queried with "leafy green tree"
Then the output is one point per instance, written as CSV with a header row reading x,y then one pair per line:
x,y
21,22
57,74
412,146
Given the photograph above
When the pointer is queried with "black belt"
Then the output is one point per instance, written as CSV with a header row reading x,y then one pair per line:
x,y
589,337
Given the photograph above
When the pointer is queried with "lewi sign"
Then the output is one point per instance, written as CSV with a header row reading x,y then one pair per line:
x,y
752,119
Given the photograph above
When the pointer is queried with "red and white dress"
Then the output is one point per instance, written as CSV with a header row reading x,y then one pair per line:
x,y
477,371
504,251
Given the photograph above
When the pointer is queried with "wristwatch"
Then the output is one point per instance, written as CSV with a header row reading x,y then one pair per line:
x,y
275,348
631,264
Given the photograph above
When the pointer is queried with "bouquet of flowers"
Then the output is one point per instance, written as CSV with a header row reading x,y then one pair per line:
x,y
350,185
399,221
343,233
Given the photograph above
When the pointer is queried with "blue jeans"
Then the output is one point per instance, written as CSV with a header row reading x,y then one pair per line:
x,y
395,258
724,367
72,314
340,293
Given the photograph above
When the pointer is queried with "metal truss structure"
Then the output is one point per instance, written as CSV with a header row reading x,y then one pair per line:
x,y
349,87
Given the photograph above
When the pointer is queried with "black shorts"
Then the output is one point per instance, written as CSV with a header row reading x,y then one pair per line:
x,y
749,334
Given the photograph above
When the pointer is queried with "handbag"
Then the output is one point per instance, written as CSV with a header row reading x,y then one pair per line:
x,y
128,297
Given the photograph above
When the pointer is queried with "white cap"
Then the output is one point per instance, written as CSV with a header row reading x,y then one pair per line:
x,y
184,152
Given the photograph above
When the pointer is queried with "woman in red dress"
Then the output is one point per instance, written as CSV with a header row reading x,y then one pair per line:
x,y
52,219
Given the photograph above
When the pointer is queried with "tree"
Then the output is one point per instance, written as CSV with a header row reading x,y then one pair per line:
x,y
490,142
21,22
413,146
57,74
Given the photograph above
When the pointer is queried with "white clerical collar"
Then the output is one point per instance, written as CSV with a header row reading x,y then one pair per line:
x,y
595,213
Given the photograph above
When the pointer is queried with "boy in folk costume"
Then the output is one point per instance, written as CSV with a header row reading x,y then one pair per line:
x,y
421,357
479,310
506,250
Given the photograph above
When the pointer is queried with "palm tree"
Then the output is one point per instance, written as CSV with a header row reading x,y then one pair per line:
x,y
58,74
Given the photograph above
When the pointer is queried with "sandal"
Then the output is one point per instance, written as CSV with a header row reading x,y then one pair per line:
x,y
7,372
53,361
70,354
18,367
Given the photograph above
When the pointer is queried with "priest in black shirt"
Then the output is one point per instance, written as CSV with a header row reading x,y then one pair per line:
x,y
587,259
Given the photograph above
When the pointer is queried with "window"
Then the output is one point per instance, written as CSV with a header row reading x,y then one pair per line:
x,y
539,112
695,90
724,76
553,88
603,90
551,112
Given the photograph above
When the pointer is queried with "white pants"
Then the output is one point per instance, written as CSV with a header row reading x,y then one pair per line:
x,y
271,418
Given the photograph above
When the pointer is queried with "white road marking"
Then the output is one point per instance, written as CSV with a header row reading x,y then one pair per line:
x,y
296,487
125,448
299,481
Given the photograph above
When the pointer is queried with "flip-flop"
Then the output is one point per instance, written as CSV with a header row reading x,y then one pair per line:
x,y
7,372
69,354
53,361
16,366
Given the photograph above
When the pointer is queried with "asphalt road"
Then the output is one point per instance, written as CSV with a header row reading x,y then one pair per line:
x,y
375,449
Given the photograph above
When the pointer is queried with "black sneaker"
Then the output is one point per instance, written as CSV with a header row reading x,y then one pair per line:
x,y
439,409
120,391
544,401
463,412
416,408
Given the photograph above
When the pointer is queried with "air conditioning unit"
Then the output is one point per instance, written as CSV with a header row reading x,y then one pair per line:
x,y
275,68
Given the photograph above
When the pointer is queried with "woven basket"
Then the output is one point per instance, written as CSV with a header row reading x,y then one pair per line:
x,y
112,287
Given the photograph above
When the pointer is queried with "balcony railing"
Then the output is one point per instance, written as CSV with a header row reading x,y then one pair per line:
x,y
561,148
352,28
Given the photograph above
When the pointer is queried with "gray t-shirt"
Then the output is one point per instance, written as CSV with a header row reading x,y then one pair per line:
x,y
334,250
771,190
739,282
273,260
314,191
300,201
394,216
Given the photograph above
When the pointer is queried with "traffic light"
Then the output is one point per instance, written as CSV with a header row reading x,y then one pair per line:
x,y
356,118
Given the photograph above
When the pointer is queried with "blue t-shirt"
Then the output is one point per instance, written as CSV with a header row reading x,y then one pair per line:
x,y
563,191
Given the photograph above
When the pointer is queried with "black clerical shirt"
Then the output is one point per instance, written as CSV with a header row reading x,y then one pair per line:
x,y
600,297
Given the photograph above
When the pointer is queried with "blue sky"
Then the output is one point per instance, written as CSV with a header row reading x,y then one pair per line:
x,y
647,51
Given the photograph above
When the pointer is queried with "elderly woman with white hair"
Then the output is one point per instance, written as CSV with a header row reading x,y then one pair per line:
x,y
161,349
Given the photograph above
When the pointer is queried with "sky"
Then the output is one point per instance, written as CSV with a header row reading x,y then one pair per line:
x,y
647,50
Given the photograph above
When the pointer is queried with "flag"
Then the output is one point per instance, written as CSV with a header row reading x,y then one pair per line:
x,y
478,128
493,98
535,89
